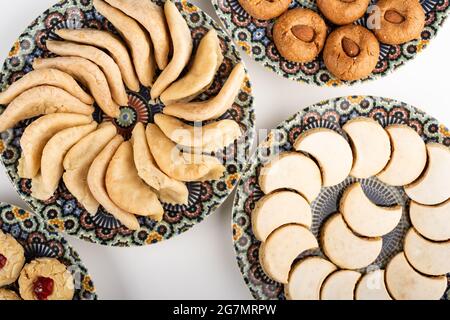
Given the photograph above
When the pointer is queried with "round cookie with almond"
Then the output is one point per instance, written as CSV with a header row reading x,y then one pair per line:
x,y
265,9
400,21
299,35
351,52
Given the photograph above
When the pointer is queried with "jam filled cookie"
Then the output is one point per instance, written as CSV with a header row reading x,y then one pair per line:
x,y
265,9
400,21
299,35
343,12
351,52
12,259
46,279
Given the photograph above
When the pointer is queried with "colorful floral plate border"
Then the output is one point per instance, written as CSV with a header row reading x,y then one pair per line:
x,y
255,38
331,114
41,240
63,211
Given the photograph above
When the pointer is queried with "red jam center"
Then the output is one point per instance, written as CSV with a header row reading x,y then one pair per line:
x,y
43,288
3,261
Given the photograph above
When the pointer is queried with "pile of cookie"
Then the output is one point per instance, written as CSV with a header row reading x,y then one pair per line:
x,y
351,239
127,178
40,279
350,51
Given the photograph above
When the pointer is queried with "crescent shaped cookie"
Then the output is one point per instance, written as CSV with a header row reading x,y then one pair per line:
x,y
109,42
38,101
282,247
371,286
45,77
306,278
96,182
100,58
431,258
277,209
136,38
180,165
344,248
405,283
340,285
46,182
169,190
330,150
89,74
433,187
214,108
408,158
151,17
365,217
208,138
291,170
127,190
371,147
38,133
78,160
182,49
200,76
432,222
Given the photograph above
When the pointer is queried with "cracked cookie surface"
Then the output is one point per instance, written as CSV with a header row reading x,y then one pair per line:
x,y
351,52
265,9
343,12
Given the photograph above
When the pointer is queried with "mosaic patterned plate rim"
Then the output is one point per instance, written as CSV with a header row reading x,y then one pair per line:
x,y
63,211
391,57
41,240
331,114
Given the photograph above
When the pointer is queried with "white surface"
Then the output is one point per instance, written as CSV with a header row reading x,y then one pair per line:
x,y
200,264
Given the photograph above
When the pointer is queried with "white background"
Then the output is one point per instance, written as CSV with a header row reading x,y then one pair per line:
x,y
200,264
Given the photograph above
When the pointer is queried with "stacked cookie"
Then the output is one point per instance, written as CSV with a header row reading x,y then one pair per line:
x,y
350,51
41,279
351,239
127,178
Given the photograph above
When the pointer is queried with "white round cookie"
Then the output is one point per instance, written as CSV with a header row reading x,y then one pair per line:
x,y
307,277
371,286
371,147
432,222
408,158
433,187
277,209
340,285
292,170
405,283
366,218
330,150
344,248
432,258
282,247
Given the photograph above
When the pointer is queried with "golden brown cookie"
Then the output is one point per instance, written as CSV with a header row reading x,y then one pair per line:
x,y
351,52
299,35
265,9
399,21
343,12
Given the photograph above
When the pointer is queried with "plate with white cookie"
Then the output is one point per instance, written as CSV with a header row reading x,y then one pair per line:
x,y
124,123
347,200
36,262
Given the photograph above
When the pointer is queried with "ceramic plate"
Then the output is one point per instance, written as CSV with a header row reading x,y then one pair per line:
x,y
41,240
255,38
332,114
63,211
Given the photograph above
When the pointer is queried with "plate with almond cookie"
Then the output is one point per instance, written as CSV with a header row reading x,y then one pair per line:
x,y
124,123
36,262
347,200
331,42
